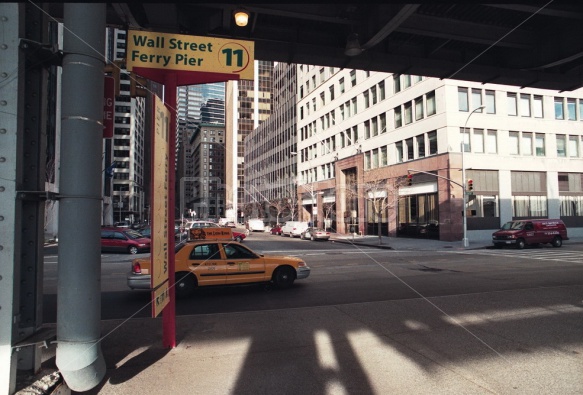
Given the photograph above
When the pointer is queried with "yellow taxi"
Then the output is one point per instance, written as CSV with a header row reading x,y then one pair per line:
x,y
210,262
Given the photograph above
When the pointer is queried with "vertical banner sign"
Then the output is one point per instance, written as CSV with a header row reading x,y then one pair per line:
x,y
108,103
159,246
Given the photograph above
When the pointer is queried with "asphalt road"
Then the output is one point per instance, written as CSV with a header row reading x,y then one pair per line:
x,y
344,274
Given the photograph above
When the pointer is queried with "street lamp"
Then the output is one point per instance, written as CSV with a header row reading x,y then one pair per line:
x,y
465,241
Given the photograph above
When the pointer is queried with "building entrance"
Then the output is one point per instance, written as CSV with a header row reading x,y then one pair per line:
x,y
418,216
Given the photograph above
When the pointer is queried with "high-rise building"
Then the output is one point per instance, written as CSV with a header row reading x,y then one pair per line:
x,y
249,103
198,105
126,150
270,150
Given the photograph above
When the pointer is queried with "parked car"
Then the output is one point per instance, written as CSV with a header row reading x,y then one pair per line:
x,y
236,264
531,231
256,225
122,224
315,234
115,239
276,230
231,224
146,231
238,236
293,228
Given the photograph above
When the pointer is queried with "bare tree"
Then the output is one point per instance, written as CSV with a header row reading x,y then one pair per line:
x,y
292,202
329,209
380,191
280,206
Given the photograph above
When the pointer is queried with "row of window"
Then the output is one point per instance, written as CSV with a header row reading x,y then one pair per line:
x,y
521,143
404,113
523,104
485,206
416,147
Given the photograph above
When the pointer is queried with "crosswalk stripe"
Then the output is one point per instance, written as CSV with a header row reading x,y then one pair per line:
x,y
570,256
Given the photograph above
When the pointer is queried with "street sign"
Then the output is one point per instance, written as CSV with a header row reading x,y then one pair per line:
x,y
152,50
108,104
160,168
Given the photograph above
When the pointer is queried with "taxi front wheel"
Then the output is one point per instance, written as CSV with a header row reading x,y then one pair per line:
x,y
185,284
284,277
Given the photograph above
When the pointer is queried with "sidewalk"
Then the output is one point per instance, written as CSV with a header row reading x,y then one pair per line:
x,y
402,243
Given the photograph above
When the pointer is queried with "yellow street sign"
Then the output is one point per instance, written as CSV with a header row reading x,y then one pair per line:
x,y
190,53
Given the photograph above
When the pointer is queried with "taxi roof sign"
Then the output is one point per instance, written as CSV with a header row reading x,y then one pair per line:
x,y
210,233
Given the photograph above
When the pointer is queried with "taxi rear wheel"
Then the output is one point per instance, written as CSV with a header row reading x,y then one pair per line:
x,y
284,277
185,284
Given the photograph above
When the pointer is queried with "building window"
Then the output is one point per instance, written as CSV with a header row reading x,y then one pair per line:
x,y
478,141
322,99
396,83
373,95
366,130
375,158
331,92
529,206
513,143
353,78
342,85
418,108
382,90
573,146
375,126
432,138
539,144
561,145
559,110
465,134
399,148
491,142
366,100
476,98
383,126
384,157
410,149
398,117
420,146
463,99
490,102
511,98
525,105
581,109
431,108
406,81
408,113
322,77
526,147
367,162
572,109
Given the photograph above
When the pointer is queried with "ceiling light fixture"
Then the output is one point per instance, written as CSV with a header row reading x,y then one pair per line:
x,y
241,17
352,45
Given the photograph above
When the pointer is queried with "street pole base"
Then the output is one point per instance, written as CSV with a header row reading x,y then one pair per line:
x,y
465,242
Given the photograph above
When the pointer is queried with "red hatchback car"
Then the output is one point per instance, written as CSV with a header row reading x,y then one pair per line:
x,y
123,240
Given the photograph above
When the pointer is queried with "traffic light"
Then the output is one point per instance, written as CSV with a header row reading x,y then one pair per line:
x,y
409,179
470,185
138,85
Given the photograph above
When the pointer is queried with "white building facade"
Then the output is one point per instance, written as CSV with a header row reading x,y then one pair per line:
x,y
523,154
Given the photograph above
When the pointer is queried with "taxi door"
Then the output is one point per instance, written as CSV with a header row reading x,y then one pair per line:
x,y
206,262
243,265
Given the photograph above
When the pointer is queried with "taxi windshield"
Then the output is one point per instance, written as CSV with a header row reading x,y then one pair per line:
x,y
513,226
